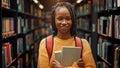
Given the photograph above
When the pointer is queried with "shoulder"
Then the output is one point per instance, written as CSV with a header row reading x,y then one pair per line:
x,y
43,42
44,39
84,41
86,45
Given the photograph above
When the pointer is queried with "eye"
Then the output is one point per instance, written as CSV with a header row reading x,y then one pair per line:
x,y
60,18
68,18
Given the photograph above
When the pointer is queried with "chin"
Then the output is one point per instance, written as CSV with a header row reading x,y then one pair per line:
x,y
64,32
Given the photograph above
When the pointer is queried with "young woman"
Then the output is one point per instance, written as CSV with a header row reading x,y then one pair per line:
x,y
64,27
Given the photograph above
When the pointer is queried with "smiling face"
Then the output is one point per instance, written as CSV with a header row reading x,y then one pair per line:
x,y
63,20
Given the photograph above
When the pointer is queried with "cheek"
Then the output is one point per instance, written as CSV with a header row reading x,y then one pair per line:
x,y
70,24
57,23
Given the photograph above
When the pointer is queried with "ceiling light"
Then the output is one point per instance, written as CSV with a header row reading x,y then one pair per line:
x,y
41,6
78,1
36,1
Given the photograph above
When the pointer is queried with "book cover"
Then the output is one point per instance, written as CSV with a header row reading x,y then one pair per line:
x,y
116,56
58,56
68,55
7,47
118,3
4,57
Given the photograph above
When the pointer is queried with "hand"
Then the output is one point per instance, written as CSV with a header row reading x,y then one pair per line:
x,y
56,64
80,63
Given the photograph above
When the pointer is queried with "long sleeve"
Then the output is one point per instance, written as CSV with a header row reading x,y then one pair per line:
x,y
87,55
43,61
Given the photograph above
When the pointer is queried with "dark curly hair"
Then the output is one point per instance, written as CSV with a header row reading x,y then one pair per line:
x,y
72,13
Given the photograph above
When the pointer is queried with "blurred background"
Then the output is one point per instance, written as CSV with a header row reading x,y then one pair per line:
x,y
23,23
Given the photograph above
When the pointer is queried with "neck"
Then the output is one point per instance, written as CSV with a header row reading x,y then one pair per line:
x,y
63,36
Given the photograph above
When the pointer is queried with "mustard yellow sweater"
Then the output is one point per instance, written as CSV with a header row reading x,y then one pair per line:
x,y
43,60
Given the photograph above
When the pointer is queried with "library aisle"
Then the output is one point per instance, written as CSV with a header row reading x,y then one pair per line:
x,y
23,23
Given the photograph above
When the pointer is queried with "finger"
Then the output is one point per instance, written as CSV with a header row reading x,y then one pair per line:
x,y
53,64
80,64
80,60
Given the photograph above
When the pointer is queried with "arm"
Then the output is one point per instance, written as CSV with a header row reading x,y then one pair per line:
x,y
87,55
43,60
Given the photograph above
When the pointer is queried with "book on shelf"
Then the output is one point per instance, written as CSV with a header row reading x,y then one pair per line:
x,y
117,57
115,3
35,13
20,4
19,24
27,58
31,9
105,25
118,3
19,46
32,63
68,55
104,51
7,48
84,23
87,36
32,24
39,13
109,4
6,3
100,5
3,57
20,62
85,9
103,48
7,27
29,40
117,26
23,26
99,64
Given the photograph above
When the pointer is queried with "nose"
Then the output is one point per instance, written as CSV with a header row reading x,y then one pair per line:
x,y
64,22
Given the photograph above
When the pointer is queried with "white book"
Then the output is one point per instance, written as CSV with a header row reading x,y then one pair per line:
x,y
68,55
58,56
118,3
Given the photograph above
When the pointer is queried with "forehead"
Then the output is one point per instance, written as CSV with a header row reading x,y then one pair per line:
x,y
62,10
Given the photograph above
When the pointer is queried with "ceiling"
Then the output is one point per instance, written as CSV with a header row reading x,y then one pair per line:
x,y
49,3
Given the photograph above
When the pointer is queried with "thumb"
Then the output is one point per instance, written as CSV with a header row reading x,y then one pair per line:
x,y
80,62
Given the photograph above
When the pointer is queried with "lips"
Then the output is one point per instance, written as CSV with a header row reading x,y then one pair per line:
x,y
64,27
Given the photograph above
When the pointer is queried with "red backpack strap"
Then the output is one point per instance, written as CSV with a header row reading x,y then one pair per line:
x,y
49,45
78,43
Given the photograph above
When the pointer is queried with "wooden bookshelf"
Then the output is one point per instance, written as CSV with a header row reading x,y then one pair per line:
x,y
84,17
102,59
24,40
14,60
109,12
102,19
